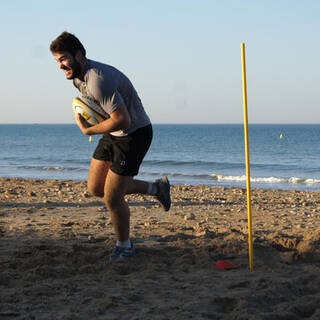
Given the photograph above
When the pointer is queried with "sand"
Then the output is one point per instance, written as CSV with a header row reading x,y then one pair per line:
x,y
55,242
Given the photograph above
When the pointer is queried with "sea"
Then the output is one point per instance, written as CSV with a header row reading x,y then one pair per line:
x,y
281,156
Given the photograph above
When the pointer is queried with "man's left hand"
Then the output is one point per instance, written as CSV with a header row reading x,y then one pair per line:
x,y
82,124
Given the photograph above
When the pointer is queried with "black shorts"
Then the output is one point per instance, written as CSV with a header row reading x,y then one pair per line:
x,y
125,153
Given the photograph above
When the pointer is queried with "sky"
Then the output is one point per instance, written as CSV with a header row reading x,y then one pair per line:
x,y
183,57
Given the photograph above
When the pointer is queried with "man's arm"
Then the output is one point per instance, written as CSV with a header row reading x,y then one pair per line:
x,y
119,120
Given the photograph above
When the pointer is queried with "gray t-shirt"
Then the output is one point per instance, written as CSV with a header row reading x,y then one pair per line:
x,y
108,87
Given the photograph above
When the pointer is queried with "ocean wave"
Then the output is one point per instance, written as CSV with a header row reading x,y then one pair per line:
x,y
195,163
228,165
233,178
50,168
174,175
292,180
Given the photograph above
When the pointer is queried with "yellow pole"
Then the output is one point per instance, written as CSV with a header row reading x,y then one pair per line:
x,y
244,83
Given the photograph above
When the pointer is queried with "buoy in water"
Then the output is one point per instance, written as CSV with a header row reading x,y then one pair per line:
x,y
281,136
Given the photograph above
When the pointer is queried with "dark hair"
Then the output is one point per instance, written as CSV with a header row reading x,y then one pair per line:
x,y
67,42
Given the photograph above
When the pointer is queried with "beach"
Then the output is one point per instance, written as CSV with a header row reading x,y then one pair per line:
x,y
55,242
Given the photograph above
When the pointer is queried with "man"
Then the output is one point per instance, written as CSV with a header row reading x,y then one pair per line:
x,y
127,135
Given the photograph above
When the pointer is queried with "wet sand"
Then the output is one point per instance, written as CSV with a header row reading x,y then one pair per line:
x,y
55,242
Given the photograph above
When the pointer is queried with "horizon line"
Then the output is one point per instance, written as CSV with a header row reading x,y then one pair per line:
x,y
171,123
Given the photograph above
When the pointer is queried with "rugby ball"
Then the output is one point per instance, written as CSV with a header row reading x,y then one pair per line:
x,y
89,110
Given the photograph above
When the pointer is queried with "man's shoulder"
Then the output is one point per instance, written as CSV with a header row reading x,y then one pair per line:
x,y
103,74
99,67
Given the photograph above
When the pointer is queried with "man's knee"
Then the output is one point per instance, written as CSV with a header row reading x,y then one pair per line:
x,y
115,190
97,176
113,199
95,190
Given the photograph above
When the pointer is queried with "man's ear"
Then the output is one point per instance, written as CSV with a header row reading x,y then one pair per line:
x,y
79,56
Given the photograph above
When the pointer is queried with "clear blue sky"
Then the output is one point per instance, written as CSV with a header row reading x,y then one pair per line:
x,y
183,56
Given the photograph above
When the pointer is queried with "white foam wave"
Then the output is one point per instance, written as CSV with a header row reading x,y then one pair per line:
x,y
53,168
292,180
49,168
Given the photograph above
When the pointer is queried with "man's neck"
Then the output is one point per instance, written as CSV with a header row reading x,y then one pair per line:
x,y
83,69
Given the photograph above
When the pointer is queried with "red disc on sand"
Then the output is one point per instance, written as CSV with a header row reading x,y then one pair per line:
x,y
225,265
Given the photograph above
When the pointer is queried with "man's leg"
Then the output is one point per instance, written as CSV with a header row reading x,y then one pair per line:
x,y
103,182
160,189
116,187
114,196
97,179
97,176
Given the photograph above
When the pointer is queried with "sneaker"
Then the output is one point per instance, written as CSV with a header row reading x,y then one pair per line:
x,y
121,253
163,194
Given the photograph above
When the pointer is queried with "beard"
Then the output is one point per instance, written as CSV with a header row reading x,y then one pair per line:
x,y
75,69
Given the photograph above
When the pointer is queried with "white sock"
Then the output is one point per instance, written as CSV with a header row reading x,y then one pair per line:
x,y
124,244
152,188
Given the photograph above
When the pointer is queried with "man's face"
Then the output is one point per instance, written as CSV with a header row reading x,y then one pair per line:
x,y
68,63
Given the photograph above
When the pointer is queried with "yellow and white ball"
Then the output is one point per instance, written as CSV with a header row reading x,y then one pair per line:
x,y
90,111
